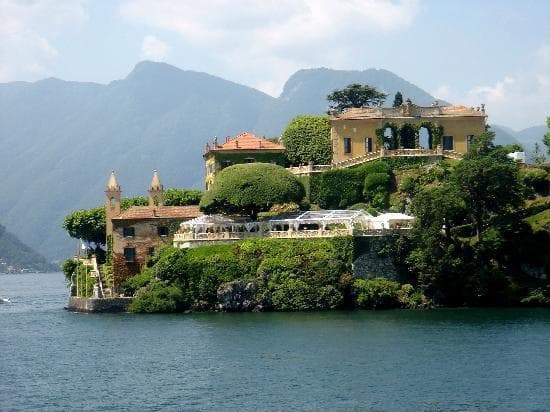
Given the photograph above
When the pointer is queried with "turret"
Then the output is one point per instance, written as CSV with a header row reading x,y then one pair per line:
x,y
112,202
156,191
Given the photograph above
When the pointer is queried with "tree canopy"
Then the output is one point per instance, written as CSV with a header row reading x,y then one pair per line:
x,y
182,197
397,100
355,95
251,188
546,139
87,224
307,138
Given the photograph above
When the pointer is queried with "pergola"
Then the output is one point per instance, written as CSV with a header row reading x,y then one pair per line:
x,y
218,223
322,219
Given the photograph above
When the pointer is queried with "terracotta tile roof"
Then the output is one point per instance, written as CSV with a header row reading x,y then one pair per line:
x,y
163,212
245,141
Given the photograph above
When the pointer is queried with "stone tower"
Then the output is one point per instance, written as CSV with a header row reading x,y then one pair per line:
x,y
112,202
156,192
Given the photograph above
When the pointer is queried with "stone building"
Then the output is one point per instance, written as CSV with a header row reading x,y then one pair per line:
x,y
243,148
134,234
357,132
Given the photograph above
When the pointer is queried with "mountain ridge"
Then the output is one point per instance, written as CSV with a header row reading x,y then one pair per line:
x,y
63,138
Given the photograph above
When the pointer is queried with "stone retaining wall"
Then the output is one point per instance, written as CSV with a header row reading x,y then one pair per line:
x,y
94,305
372,258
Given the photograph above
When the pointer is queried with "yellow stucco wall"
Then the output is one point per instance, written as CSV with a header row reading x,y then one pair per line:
x,y
358,130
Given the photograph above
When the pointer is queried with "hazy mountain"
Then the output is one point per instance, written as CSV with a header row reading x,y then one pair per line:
x,y
15,256
60,139
526,137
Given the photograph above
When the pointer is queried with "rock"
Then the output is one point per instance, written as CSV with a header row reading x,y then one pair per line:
x,y
236,296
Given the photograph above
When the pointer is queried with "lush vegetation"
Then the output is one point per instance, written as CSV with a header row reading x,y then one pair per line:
x,y
369,183
279,274
485,254
251,188
307,139
355,95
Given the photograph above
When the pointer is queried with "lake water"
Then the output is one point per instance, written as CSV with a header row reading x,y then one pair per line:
x,y
451,359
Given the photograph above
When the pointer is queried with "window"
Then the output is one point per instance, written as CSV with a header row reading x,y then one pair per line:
x,y
162,231
151,251
347,145
226,163
469,140
128,232
368,144
249,160
130,254
448,143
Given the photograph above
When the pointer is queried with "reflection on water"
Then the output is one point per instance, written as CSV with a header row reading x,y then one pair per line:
x,y
459,359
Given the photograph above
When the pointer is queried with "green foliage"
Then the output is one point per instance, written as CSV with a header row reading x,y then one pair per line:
x,y
376,190
251,188
488,186
307,139
88,225
182,197
295,294
341,188
309,270
397,100
127,202
376,293
538,180
540,221
130,286
84,282
68,267
355,95
546,138
538,297
157,297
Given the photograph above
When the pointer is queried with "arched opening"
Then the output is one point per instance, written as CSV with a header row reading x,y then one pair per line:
x,y
425,138
407,136
112,203
156,200
390,138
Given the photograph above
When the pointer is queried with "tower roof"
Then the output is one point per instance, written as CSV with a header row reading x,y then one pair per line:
x,y
155,182
112,184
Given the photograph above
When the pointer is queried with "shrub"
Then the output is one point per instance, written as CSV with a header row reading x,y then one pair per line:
x,y
376,293
307,138
376,190
252,188
157,297
295,294
68,267
538,180
538,297
340,188
136,282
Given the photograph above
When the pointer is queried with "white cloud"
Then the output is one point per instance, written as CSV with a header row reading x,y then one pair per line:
x,y
518,100
154,49
27,29
266,41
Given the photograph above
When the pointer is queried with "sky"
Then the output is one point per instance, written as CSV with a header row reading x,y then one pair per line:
x,y
467,52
